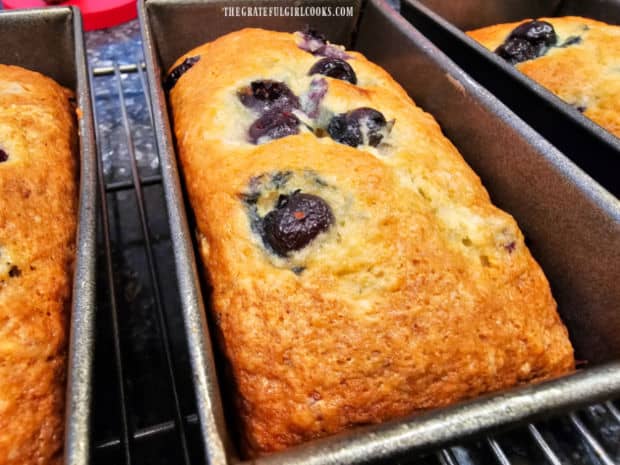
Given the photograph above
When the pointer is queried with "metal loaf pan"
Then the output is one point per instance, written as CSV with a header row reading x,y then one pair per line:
x,y
573,226
50,41
593,148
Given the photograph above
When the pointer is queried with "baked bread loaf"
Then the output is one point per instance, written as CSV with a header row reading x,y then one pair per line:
x,y
578,59
38,210
360,272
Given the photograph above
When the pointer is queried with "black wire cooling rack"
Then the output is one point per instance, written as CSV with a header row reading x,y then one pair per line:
x,y
144,408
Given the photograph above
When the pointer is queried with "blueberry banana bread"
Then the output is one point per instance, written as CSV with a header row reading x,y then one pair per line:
x,y
577,59
37,233
359,271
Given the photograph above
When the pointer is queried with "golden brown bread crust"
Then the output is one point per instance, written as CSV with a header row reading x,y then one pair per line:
x,y
38,206
586,74
421,293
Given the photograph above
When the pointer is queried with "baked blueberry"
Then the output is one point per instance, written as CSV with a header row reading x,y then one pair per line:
x,y
3,156
314,42
536,32
15,272
312,34
311,100
527,41
572,40
267,95
295,221
334,68
311,40
280,178
178,71
273,125
510,247
357,127
516,50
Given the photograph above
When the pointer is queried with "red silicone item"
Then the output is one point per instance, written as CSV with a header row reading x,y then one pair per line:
x,y
97,14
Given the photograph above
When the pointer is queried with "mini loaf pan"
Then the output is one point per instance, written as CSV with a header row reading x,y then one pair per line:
x,y
572,225
594,149
50,41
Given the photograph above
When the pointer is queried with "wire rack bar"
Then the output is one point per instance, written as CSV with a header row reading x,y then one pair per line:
x,y
591,441
161,319
445,457
498,452
543,445
110,70
125,438
613,410
126,185
148,432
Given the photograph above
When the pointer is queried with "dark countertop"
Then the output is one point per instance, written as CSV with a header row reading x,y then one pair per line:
x,y
121,45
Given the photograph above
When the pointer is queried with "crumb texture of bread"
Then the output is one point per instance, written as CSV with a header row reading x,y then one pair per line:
x,y
585,74
419,294
38,211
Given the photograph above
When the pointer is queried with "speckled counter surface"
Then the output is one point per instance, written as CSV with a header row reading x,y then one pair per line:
x,y
121,45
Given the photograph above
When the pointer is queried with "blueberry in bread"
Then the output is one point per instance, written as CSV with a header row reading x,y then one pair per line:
x,y
178,71
362,126
360,272
295,221
38,211
527,41
336,68
578,59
